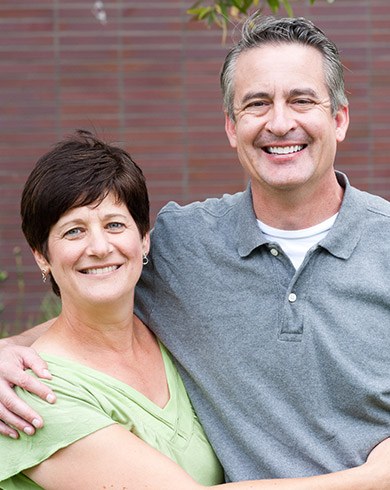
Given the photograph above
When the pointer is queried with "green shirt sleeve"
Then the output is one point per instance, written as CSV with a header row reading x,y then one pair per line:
x,y
79,411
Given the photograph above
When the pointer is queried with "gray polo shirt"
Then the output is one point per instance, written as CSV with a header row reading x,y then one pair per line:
x,y
288,370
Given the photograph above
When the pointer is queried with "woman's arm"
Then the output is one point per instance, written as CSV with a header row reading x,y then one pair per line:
x,y
15,357
115,458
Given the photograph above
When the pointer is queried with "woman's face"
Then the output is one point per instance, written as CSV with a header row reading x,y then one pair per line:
x,y
95,253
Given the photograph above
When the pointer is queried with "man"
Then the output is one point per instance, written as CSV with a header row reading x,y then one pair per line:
x,y
275,301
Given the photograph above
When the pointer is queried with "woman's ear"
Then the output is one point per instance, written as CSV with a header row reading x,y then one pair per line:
x,y
146,243
42,263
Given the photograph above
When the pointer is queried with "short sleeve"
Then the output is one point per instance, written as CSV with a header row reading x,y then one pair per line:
x,y
78,412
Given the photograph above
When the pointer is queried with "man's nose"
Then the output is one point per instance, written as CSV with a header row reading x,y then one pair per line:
x,y
281,119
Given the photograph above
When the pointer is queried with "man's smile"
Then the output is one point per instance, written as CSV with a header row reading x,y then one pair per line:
x,y
283,150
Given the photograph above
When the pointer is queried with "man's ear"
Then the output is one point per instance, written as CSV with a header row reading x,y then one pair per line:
x,y
342,123
230,129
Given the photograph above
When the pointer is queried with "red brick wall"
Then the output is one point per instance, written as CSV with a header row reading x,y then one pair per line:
x,y
148,79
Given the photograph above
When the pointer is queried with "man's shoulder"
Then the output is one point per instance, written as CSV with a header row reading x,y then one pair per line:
x,y
375,204
209,209
207,222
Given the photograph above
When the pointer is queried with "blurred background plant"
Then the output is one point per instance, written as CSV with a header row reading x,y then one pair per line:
x,y
225,12
50,305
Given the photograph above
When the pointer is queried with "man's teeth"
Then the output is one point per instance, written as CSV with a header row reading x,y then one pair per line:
x,y
100,270
284,150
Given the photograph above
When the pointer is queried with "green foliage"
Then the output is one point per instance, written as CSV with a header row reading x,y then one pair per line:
x,y
223,12
49,308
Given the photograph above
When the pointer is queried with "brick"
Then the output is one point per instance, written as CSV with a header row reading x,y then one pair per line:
x,y
149,79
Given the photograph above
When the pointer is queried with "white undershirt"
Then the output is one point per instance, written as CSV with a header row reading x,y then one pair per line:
x,y
296,243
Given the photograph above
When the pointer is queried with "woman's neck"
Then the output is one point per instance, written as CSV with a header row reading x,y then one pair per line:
x,y
76,334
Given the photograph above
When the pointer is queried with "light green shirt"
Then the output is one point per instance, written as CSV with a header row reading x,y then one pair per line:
x,y
89,400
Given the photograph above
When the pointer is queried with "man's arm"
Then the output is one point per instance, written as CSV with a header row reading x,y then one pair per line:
x,y
15,357
27,337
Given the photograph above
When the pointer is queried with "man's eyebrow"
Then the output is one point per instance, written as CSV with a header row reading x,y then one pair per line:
x,y
266,95
303,91
254,95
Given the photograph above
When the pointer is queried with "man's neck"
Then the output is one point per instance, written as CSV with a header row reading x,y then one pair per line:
x,y
299,208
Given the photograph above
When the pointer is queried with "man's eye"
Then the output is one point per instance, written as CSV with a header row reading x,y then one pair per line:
x,y
257,103
256,107
303,102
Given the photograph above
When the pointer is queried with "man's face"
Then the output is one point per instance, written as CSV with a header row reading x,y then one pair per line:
x,y
284,132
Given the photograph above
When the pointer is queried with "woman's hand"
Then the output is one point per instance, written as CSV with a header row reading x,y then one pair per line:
x,y
378,464
14,360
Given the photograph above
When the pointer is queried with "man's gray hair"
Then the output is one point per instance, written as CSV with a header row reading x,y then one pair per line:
x,y
258,31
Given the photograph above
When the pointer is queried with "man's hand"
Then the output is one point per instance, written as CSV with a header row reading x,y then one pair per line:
x,y
14,360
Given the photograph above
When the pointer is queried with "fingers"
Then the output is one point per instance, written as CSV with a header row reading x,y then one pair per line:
x,y
30,359
33,385
5,430
13,362
16,413
15,422
12,405
13,411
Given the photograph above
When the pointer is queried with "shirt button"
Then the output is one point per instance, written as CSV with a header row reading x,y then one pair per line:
x,y
274,252
292,297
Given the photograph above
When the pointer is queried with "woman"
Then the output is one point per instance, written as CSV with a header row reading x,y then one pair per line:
x,y
85,215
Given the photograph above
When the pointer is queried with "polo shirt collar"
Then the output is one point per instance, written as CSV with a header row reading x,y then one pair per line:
x,y
341,239
248,234
348,227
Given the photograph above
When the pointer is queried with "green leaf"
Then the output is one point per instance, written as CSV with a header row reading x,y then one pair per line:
x,y
200,12
220,12
223,10
240,6
274,5
288,8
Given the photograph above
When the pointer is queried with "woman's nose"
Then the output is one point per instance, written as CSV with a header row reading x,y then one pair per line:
x,y
99,243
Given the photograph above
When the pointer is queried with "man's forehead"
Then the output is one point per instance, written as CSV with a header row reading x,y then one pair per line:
x,y
259,73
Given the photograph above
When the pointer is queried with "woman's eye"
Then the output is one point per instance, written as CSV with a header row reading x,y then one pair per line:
x,y
74,232
115,226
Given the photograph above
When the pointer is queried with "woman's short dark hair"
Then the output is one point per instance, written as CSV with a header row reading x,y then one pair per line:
x,y
79,171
